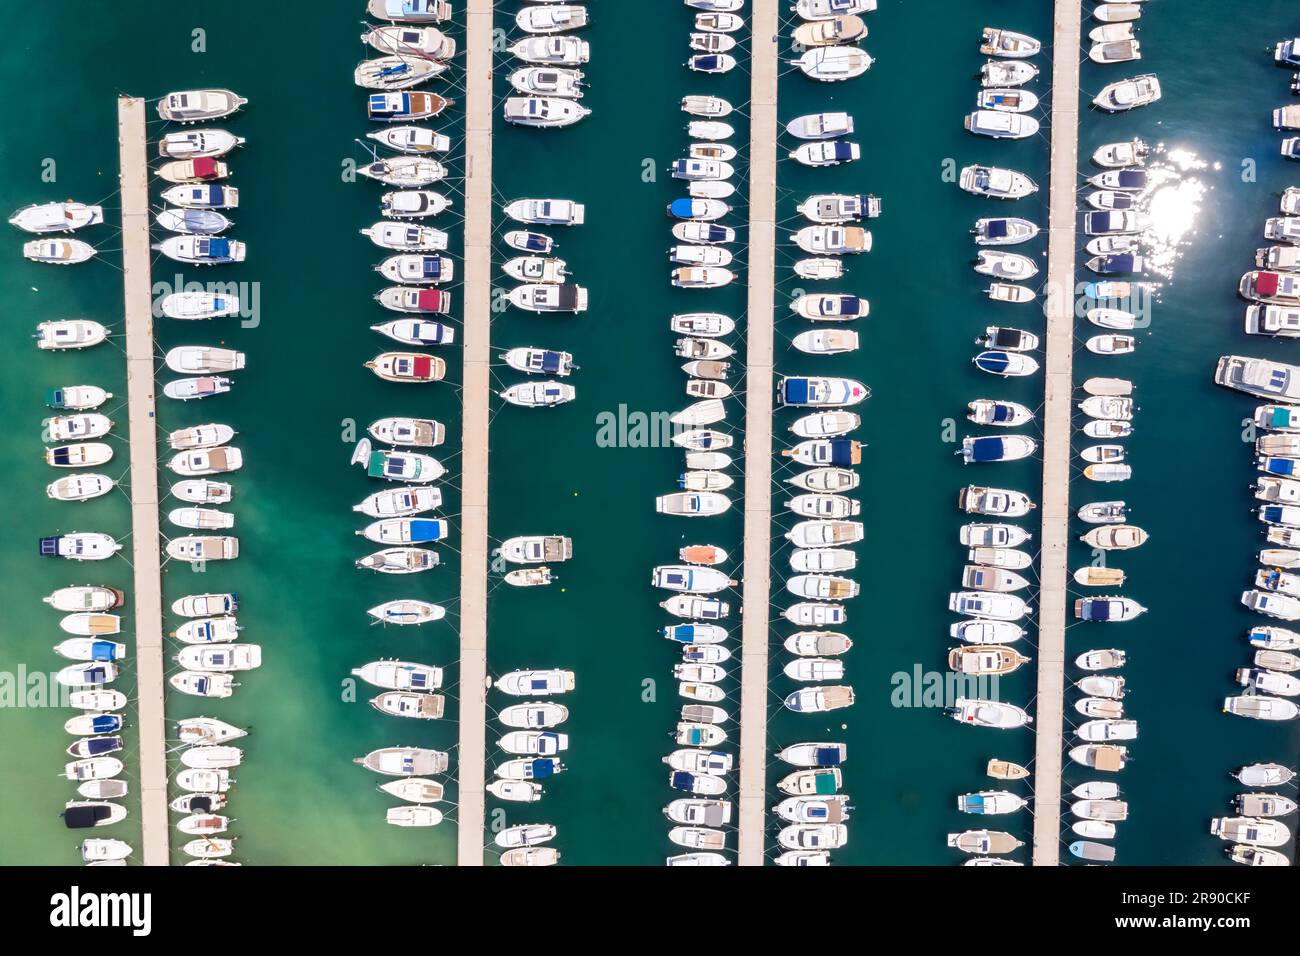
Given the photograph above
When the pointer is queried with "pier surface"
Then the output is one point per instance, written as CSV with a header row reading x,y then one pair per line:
x,y
764,68
146,543
476,347
1057,411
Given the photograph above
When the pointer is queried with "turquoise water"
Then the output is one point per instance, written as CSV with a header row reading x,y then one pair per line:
x,y
299,799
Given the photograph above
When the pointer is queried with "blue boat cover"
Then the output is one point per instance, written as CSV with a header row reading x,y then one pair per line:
x,y
1122,262
1001,413
535,242
50,546
795,391
826,757
843,151
993,361
996,229
218,248
681,780
850,304
97,746
842,451
1095,609
1272,513
426,529
1132,178
81,818
542,768
708,61
431,267
550,362
54,398
61,456
986,448
103,651
105,723
681,208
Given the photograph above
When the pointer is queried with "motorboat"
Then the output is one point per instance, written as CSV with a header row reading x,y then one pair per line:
x,y
80,546
1128,94
207,461
404,560
816,126
404,171
194,106
536,269
543,394
1263,775
1117,155
59,252
201,250
410,11
404,761
984,842
417,331
414,789
406,237
411,432
530,856
403,107
990,802
201,169
426,42
548,81
1009,44
406,531
50,217
1004,231
1006,73
1000,124
203,360
1115,537
552,50
985,659
199,548
1005,364
841,29
832,64
69,334
997,606
1251,831
411,140
976,499
982,535
1108,757
415,299
551,18
996,183
544,112
826,153
991,448
202,196
1261,707
1009,100
408,366
535,683
529,769
417,706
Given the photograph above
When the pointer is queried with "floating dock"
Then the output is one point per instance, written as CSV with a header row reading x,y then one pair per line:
x,y
755,617
477,350
1057,412
146,543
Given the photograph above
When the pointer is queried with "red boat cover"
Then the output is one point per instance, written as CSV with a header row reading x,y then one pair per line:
x,y
205,167
1266,283
430,300
423,366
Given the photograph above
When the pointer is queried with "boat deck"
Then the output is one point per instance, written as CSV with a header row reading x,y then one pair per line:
x,y
146,555
764,69
477,349
1059,393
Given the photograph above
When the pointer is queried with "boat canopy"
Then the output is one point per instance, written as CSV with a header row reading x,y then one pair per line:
x,y
81,818
103,651
824,784
542,768
996,229
987,448
826,757
842,452
427,529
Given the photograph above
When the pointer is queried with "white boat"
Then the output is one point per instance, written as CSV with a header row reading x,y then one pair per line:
x,y
543,112
1261,707
1128,94
69,334
820,125
538,683
531,856
396,72
833,63
203,548
207,730
826,153
1251,831
829,9
193,106
56,217
1004,73
414,789
201,250
404,761
999,124
426,42
202,684
407,611
995,182
548,81
59,252
552,50
988,713
406,237
414,816
524,835
1008,43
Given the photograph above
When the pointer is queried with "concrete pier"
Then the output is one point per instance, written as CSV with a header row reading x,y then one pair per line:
x,y
477,351
146,542
764,68
1057,411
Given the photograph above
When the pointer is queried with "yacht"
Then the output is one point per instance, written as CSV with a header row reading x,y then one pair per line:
x,y
408,366
551,18
50,217
193,106
843,29
419,42
404,107
543,111
204,196
996,183
417,332
820,126
535,683
1128,94
64,334
826,153
548,81
552,50
988,713
542,394
201,250
1000,124
406,237
59,252
832,64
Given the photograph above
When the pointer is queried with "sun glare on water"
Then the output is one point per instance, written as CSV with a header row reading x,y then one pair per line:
x,y
1172,207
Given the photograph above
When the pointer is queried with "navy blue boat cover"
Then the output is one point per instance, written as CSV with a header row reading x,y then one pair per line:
x,y
996,229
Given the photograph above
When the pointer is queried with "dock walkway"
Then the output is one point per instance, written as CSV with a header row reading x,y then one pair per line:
x,y
146,543
476,348
764,69
1057,412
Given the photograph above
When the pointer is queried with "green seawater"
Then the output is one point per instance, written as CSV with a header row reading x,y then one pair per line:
x,y
304,395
